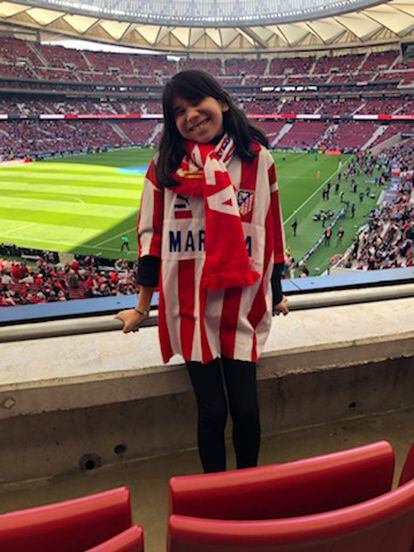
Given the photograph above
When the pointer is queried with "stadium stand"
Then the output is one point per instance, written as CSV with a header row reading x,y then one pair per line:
x,y
387,241
69,70
45,281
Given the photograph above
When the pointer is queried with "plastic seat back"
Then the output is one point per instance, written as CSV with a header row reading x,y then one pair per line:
x,y
131,540
70,526
382,524
408,469
304,487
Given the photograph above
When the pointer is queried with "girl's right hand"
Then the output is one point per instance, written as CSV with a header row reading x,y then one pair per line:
x,y
131,319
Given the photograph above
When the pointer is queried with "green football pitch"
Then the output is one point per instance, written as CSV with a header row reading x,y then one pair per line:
x,y
84,204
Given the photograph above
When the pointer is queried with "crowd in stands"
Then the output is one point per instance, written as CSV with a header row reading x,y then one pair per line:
x,y
33,137
34,61
49,282
30,138
388,239
253,104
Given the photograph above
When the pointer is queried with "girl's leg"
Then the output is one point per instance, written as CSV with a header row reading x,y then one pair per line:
x,y
207,380
240,377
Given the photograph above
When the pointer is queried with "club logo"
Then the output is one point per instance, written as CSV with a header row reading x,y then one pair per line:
x,y
245,200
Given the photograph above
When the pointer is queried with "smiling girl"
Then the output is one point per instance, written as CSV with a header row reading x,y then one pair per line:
x,y
211,237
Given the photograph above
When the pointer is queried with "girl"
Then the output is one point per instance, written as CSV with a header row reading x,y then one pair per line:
x,y
210,235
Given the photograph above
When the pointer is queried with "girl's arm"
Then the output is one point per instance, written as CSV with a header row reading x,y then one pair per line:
x,y
133,318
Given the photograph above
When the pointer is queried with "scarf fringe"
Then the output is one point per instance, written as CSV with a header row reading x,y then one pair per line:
x,y
229,279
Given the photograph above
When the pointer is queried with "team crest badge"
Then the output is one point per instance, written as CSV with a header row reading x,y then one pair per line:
x,y
245,200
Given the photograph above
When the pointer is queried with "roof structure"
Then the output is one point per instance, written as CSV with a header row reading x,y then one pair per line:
x,y
218,26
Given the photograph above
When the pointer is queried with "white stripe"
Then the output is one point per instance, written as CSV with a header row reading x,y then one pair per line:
x,y
145,228
263,328
213,314
172,306
196,346
244,333
196,154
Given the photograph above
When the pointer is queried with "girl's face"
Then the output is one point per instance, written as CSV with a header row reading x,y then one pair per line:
x,y
199,121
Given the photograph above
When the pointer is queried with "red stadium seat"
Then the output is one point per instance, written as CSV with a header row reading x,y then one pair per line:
x,y
297,488
383,524
131,540
407,472
70,526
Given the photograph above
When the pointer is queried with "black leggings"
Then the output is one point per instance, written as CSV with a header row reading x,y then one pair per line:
x,y
240,382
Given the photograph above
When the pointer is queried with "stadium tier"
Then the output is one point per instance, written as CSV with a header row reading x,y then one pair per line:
x,y
35,61
42,81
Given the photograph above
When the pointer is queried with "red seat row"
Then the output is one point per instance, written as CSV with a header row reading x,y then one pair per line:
x,y
341,501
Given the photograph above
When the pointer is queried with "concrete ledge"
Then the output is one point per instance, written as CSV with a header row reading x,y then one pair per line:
x,y
69,398
67,373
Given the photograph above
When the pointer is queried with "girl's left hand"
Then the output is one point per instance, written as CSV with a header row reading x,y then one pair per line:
x,y
281,307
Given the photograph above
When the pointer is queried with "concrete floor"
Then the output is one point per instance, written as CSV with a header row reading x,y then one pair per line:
x,y
148,479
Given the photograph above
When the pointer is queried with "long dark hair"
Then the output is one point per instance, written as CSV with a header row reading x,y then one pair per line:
x,y
194,86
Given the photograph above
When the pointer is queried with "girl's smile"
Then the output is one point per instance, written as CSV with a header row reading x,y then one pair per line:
x,y
200,121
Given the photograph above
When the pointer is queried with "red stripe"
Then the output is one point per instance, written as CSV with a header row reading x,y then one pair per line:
x,y
186,298
151,174
248,182
183,214
254,348
157,219
272,175
165,343
229,320
277,228
206,354
138,240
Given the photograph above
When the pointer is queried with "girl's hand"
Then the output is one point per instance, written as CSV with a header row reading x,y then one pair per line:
x,y
131,319
281,307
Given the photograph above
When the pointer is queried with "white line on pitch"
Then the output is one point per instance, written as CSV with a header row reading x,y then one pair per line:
x,y
17,229
113,237
71,245
315,192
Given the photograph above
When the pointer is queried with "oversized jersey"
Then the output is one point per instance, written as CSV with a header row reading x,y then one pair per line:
x,y
197,324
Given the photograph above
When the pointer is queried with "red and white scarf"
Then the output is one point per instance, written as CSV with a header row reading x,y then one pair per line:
x,y
203,173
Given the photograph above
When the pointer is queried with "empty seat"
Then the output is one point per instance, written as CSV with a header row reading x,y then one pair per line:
x,y
303,487
69,526
382,524
131,540
407,472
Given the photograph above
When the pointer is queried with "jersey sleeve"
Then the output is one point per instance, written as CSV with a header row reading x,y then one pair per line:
x,y
278,231
150,219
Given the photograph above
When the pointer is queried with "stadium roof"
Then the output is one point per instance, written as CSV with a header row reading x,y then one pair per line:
x,y
218,26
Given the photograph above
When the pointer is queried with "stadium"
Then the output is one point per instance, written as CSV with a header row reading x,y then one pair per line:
x,y
86,410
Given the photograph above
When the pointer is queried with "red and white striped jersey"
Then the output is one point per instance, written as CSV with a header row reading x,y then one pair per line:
x,y
202,325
